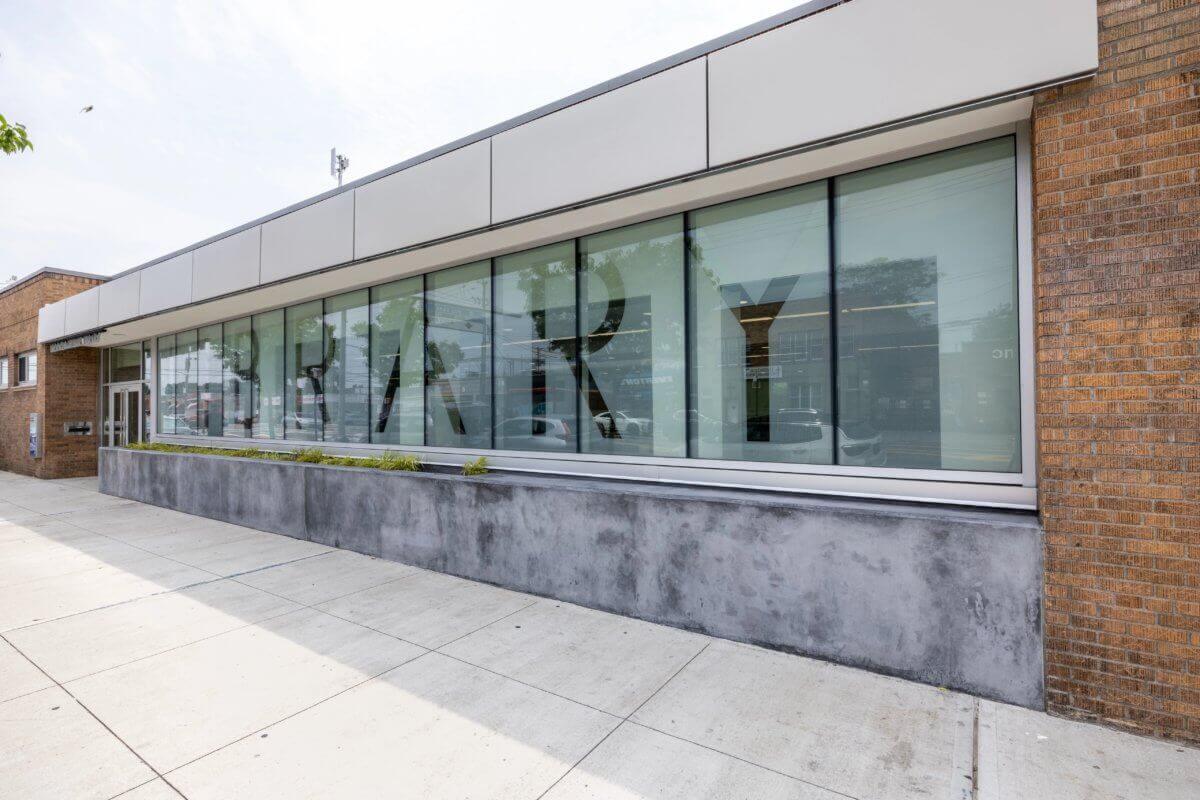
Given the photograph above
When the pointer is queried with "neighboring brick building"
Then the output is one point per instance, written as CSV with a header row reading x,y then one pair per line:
x,y
1117,207
61,386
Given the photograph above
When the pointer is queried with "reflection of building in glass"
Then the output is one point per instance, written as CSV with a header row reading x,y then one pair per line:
x,y
774,343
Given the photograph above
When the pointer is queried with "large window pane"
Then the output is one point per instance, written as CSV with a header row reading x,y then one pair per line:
x,y
458,356
760,329
304,405
397,367
346,380
187,419
236,361
125,363
166,384
535,349
632,298
927,329
210,421
147,373
266,371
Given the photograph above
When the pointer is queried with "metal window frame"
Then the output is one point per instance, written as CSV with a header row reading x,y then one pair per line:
x,y
1016,490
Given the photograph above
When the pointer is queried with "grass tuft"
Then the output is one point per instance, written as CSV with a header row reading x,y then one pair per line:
x,y
477,467
397,461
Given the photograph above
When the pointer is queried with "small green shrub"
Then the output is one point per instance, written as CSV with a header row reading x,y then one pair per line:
x,y
477,467
311,455
397,461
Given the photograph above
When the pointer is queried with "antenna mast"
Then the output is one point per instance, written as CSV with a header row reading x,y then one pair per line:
x,y
337,164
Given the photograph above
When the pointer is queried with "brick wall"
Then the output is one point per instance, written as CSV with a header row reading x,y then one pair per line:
x,y
67,385
1117,207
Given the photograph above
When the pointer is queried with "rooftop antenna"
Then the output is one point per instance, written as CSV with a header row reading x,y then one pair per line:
x,y
337,164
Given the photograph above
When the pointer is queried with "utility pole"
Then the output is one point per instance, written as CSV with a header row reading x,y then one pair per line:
x,y
337,164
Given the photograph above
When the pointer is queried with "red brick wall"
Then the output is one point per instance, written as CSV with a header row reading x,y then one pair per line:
x,y
1117,208
67,385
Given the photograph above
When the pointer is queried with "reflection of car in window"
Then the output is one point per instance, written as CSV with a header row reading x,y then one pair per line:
x,y
613,424
534,433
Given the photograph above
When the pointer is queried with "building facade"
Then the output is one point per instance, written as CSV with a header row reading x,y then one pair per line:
x,y
804,258
54,392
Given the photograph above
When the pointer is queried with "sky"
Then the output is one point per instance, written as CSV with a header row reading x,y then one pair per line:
x,y
209,114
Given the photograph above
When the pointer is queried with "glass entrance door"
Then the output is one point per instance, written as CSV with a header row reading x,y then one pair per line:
x,y
125,415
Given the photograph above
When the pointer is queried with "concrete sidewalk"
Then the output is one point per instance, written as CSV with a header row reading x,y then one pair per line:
x,y
149,654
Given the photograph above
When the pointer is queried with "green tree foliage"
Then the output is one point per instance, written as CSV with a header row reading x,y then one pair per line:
x,y
13,138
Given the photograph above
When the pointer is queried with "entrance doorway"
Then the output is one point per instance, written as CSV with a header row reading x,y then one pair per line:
x,y
124,424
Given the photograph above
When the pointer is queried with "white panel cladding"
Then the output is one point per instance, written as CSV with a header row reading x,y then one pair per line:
x,y
83,311
644,132
119,298
52,321
317,236
226,265
870,62
440,197
166,284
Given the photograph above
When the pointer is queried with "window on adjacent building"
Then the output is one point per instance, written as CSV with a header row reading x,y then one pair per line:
x,y
27,368
4,373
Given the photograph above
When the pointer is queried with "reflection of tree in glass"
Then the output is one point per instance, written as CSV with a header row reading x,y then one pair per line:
x,y
606,322
888,282
402,314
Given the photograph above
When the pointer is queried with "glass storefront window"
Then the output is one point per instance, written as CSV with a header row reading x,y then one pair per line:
x,y
458,311
398,363
632,302
209,418
760,329
236,362
346,380
266,372
703,335
927,324
304,396
187,420
535,380
166,384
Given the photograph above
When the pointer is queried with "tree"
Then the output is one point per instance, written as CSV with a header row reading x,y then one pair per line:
x,y
13,138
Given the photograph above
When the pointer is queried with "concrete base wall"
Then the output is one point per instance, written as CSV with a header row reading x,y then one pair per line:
x,y
944,596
